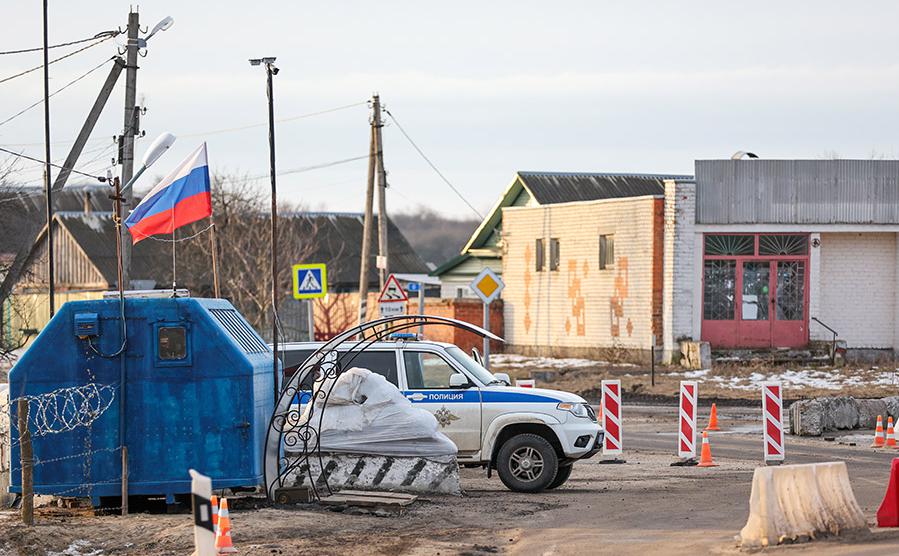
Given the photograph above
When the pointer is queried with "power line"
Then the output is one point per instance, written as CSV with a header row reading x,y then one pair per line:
x,y
308,168
218,131
104,34
82,49
61,89
26,157
431,164
282,120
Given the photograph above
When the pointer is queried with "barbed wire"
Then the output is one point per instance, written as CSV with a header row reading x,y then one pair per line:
x,y
65,409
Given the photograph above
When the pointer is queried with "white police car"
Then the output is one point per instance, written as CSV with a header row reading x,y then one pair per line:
x,y
531,436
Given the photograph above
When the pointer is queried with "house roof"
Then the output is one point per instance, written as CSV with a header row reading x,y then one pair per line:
x,y
547,188
338,242
566,187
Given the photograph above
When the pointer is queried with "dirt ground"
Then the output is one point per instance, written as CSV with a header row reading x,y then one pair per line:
x,y
731,380
643,506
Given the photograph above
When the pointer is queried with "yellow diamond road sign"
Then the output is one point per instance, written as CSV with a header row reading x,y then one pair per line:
x,y
487,285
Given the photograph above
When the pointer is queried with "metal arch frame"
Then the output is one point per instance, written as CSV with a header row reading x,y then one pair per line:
x,y
287,426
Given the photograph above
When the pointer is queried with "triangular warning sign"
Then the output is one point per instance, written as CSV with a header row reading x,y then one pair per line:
x,y
392,292
310,283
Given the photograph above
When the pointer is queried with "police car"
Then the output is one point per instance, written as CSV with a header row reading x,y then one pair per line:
x,y
531,436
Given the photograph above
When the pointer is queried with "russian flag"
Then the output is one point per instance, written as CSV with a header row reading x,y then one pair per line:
x,y
180,198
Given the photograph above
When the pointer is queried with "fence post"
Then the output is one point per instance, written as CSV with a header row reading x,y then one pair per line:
x,y
124,480
27,463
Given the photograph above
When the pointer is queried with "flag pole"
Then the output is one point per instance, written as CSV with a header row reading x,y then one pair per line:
x,y
215,266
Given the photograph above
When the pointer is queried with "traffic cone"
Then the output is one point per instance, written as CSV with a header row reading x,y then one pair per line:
x,y
713,419
600,412
223,533
878,433
215,512
891,433
705,457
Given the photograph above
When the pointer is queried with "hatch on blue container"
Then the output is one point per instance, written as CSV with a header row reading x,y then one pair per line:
x,y
198,394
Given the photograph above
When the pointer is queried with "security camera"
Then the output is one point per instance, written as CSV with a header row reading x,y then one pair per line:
x,y
275,70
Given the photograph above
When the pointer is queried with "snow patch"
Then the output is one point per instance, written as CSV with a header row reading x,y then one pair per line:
x,y
75,549
515,361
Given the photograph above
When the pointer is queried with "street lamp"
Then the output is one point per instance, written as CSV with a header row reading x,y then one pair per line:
x,y
270,70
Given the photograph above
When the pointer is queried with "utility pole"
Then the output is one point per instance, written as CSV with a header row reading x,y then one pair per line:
x,y
382,196
51,263
366,229
271,70
129,130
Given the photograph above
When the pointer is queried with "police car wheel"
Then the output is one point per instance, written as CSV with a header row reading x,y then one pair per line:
x,y
527,463
562,476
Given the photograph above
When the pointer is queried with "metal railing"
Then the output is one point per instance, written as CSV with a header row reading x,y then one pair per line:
x,y
833,343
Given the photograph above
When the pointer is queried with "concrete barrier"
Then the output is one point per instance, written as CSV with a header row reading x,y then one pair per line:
x,y
795,503
368,472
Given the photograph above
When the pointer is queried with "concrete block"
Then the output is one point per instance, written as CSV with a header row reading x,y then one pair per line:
x,y
892,404
807,418
696,355
794,503
868,410
840,413
367,472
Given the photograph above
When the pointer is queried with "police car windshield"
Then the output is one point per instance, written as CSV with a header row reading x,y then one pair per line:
x,y
483,375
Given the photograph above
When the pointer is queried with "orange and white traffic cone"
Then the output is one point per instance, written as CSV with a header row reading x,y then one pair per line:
x,y
891,433
215,512
705,457
878,433
223,543
713,419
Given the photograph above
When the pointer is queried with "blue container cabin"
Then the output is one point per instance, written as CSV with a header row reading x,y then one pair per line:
x,y
199,394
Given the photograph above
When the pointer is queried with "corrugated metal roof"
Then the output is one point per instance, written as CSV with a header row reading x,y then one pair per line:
x,y
565,187
797,191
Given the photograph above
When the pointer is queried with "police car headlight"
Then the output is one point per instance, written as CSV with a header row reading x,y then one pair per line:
x,y
576,409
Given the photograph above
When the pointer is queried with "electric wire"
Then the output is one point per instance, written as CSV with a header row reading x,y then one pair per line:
x,y
281,120
431,164
307,168
107,34
54,93
73,170
70,54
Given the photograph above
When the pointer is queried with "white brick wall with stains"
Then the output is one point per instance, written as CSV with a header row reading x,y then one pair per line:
x,y
579,305
679,273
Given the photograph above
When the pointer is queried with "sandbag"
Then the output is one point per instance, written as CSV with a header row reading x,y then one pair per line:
x,y
359,412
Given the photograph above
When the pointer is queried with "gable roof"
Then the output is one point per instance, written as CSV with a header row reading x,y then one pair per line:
x,y
547,188
338,242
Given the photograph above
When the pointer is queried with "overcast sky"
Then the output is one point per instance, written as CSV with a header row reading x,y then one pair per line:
x,y
484,88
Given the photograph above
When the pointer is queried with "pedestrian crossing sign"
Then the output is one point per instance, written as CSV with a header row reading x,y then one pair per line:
x,y
310,281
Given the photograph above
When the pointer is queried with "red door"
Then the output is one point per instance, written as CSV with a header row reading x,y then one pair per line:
x,y
755,290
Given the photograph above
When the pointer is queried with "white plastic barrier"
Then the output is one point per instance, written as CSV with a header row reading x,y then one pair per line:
x,y
793,503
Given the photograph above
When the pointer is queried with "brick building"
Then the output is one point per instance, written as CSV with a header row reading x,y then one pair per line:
x,y
582,260
781,253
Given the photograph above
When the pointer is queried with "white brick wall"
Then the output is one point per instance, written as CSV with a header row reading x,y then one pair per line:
x,y
541,307
858,288
679,277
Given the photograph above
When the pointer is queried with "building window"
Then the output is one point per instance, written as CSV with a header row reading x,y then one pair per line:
x,y
719,287
729,245
539,255
172,344
554,256
783,244
606,251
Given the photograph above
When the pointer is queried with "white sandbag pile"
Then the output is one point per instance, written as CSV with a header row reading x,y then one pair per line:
x,y
371,436
795,503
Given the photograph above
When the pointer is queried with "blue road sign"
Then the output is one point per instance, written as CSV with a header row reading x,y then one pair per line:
x,y
309,281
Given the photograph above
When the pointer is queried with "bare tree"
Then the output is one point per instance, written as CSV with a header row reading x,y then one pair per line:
x,y
243,233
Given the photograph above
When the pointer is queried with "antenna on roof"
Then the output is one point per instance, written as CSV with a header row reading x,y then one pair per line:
x,y
739,155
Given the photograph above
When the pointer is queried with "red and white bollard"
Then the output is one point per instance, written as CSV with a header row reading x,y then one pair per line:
x,y
772,414
611,417
686,429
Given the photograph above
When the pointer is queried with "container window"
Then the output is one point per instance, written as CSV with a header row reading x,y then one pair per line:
x,y
729,245
783,244
554,255
172,343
